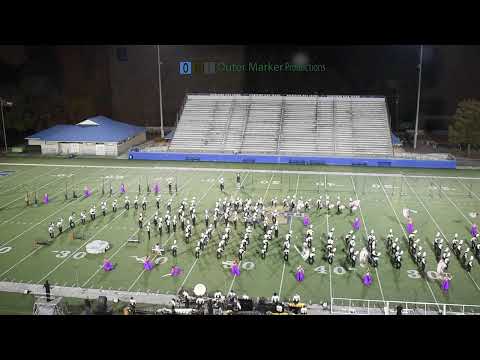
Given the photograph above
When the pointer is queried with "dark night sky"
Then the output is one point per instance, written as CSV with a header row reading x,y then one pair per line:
x,y
60,84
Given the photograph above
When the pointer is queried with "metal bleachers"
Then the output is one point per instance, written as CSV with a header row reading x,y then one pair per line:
x,y
284,124
261,131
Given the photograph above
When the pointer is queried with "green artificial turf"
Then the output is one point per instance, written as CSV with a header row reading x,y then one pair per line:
x,y
65,263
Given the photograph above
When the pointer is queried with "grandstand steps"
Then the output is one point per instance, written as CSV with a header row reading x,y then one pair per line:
x,y
281,124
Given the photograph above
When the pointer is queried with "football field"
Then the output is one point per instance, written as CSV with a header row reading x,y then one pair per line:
x,y
442,201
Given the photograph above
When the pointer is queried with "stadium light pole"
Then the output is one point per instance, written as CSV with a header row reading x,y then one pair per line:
x,y
418,98
160,91
4,103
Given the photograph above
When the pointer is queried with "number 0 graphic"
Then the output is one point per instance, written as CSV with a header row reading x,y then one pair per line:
x,y
185,68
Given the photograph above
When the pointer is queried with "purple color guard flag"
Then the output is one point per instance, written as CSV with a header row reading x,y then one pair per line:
x,y
235,269
45,199
367,279
107,265
175,271
87,192
445,284
300,274
356,224
410,227
122,189
474,230
306,220
147,265
156,189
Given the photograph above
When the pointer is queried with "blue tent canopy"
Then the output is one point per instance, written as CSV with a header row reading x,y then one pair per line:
x,y
95,129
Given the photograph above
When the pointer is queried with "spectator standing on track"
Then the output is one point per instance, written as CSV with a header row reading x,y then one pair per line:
x,y
222,186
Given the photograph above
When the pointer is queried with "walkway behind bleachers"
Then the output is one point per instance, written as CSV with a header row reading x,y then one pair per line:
x,y
284,124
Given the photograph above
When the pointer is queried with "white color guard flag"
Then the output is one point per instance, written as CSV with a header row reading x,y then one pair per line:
x,y
473,214
406,213
441,267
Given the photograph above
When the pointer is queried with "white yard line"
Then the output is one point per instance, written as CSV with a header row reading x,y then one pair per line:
x,y
28,208
5,180
27,182
296,188
168,240
171,235
366,233
196,259
186,277
239,169
470,222
330,276
281,281
298,251
82,246
406,237
438,227
471,192
264,195
451,202
41,221
268,187
284,262
22,197
38,248
126,242
19,262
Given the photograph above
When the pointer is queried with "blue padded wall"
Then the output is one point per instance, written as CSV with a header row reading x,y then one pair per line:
x,y
283,159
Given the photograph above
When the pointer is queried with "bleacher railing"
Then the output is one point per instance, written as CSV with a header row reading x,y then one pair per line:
x,y
287,95
380,307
